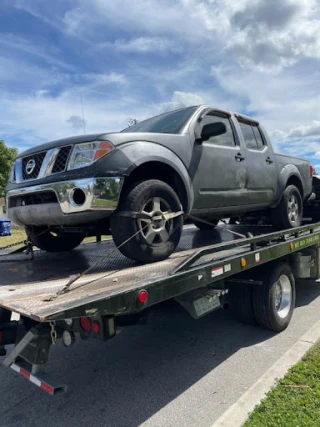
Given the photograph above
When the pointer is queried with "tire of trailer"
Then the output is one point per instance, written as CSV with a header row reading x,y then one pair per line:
x,y
49,242
289,212
152,197
203,226
241,303
274,300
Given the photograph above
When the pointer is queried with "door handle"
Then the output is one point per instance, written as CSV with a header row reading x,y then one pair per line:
x,y
239,157
269,161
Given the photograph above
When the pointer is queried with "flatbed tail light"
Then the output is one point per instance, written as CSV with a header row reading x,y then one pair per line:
x,y
85,324
143,296
95,327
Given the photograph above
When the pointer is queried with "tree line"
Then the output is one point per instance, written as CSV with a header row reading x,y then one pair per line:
x,y
7,156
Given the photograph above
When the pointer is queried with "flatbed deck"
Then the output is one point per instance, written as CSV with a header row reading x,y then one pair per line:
x,y
26,285
110,286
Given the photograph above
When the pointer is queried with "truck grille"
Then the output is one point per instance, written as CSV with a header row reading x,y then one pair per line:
x,y
61,160
31,165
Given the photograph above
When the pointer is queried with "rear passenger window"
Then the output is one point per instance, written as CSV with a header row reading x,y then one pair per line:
x,y
252,136
227,139
248,136
258,136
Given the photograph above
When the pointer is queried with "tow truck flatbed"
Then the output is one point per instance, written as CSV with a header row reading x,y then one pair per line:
x,y
108,289
117,292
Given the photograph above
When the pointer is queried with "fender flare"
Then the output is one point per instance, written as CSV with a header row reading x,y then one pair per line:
x,y
142,152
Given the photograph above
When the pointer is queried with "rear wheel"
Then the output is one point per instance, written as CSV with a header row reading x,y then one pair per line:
x,y
274,300
289,212
241,302
203,226
155,237
55,242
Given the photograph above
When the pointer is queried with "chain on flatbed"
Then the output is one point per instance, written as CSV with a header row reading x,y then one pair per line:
x,y
27,246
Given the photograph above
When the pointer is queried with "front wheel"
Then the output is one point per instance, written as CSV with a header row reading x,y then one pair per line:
x,y
140,214
289,212
54,242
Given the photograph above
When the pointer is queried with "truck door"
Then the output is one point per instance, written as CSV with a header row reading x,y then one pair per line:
x,y
261,165
218,169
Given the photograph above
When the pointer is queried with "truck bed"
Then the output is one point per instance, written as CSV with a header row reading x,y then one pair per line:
x,y
25,286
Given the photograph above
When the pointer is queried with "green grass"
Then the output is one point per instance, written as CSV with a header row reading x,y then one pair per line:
x,y
17,234
295,400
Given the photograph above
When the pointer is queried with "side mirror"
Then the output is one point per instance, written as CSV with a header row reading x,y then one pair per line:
x,y
213,129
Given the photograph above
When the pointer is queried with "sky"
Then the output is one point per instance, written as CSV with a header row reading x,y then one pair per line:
x,y
111,60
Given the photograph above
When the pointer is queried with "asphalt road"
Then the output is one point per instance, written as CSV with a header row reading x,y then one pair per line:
x,y
174,371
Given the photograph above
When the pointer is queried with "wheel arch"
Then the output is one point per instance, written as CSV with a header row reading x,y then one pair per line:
x,y
156,169
296,181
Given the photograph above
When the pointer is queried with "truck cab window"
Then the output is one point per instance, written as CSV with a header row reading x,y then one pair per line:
x,y
249,136
227,139
257,134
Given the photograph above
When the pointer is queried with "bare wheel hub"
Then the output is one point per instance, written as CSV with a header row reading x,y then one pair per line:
x,y
293,208
283,296
154,226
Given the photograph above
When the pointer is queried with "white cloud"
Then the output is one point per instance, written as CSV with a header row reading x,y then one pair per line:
x,y
311,130
264,58
146,44
180,100
105,79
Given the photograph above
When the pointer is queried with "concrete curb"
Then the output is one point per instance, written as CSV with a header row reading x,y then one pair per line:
x,y
238,413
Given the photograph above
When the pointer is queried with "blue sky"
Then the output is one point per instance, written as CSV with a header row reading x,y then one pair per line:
x,y
138,58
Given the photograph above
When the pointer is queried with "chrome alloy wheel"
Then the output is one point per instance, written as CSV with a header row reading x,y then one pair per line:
x,y
153,226
283,296
293,208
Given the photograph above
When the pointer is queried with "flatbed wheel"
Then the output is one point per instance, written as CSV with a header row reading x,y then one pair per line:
x,y
241,302
274,300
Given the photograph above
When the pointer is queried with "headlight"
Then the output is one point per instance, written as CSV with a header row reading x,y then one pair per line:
x,y
85,154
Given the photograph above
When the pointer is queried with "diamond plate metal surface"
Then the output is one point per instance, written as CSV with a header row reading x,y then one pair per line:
x,y
26,285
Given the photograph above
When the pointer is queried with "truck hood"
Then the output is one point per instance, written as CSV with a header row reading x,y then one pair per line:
x,y
117,138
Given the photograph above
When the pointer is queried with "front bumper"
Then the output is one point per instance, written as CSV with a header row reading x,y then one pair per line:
x,y
64,203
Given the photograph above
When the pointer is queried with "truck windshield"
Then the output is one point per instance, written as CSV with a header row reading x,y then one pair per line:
x,y
165,123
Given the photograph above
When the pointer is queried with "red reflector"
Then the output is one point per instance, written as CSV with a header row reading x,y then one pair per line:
x,y
312,171
142,296
46,387
25,373
85,323
1,335
95,327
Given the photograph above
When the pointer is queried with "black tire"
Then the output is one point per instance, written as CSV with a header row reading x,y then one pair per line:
x,y
282,216
241,303
203,226
50,242
270,313
135,199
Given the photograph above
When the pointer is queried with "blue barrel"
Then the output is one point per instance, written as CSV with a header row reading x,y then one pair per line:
x,y
5,227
